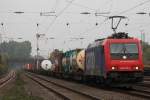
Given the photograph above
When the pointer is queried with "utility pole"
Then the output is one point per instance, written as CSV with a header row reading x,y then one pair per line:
x,y
37,46
2,24
1,49
142,35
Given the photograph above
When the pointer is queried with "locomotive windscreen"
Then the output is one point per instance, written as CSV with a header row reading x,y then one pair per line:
x,y
124,51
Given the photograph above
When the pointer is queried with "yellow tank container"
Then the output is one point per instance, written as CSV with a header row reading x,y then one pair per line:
x,y
81,59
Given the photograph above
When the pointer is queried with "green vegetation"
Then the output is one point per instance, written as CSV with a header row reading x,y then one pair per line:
x,y
17,92
3,63
13,51
146,53
16,50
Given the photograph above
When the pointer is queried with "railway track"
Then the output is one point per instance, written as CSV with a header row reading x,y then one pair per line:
x,y
7,78
140,90
147,85
62,91
147,78
146,82
136,91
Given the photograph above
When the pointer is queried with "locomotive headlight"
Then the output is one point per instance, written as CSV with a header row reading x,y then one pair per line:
x,y
137,68
113,68
124,57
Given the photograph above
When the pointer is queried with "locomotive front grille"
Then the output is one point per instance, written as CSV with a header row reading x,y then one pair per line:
x,y
126,76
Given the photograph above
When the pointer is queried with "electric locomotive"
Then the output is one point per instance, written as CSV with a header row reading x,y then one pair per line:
x,y
117,59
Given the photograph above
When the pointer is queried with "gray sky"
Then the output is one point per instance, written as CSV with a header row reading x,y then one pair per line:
x,y
68,11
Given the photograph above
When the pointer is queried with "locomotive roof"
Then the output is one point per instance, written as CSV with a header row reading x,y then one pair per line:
x,y
96,43
114,37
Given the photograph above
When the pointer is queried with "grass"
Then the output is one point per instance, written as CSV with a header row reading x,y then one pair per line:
x,y
17,92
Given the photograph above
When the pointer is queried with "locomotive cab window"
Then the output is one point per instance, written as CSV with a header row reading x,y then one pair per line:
x,y
124,51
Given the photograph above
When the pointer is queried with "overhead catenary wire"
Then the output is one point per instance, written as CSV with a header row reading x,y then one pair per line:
x,y
57,15
96,14
93,11
54,8
106,18
62,11
93,28
110,8
134,7
81,6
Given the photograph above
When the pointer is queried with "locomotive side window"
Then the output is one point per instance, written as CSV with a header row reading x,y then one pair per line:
x,y
124,51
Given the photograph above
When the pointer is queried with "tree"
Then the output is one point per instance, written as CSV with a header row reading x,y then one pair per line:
x,y
16,50
146,53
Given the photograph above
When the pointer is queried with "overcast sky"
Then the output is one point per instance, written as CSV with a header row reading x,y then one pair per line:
x,y
69,23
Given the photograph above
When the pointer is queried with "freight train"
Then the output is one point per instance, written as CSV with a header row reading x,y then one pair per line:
x,y
114,60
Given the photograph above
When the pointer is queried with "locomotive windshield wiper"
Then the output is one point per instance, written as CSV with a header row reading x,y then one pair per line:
x,y
124,49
